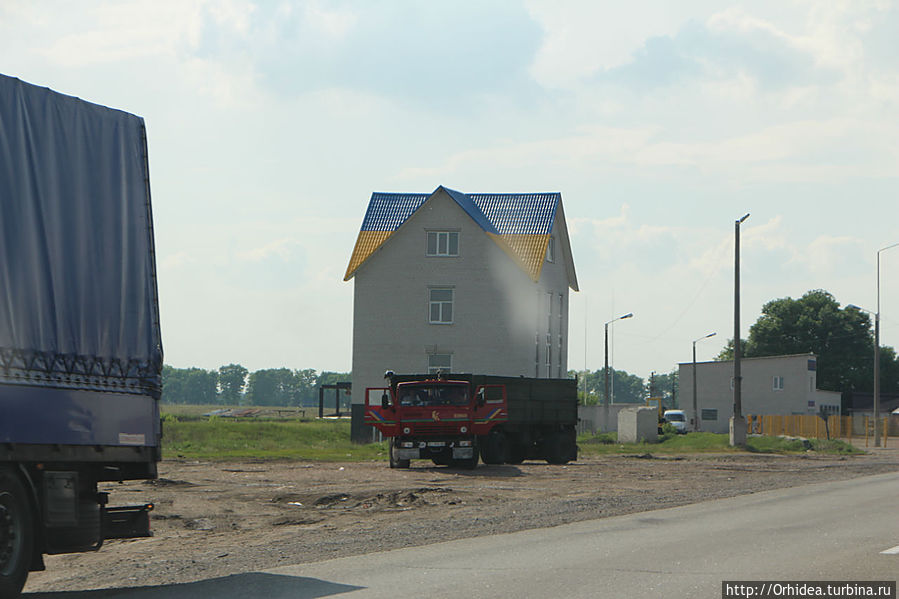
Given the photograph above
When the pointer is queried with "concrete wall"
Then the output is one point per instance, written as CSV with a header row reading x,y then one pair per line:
x,y
498,311
638,424
591,419
799,394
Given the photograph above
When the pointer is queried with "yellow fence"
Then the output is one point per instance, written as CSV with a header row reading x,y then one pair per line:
x,y
814,427
799,425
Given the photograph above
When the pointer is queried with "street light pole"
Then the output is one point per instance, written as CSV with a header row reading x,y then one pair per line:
x,y
606,368
737,426
696,420
877,353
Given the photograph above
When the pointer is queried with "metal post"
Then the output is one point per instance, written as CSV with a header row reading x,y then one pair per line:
x,y
877,352
877,367
697,426
606,380
606,368
737,426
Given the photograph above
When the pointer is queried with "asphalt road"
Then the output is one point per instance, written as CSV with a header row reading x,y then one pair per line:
x,y
835,531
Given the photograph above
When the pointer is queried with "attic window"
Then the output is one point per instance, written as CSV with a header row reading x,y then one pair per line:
x,y
443,243
551,250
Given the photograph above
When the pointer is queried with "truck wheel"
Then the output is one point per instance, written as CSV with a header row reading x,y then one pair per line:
x,y
515,453
394,461
556,450
16,534
495,448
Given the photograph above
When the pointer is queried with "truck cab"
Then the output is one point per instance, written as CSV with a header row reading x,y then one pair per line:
x,y
435,418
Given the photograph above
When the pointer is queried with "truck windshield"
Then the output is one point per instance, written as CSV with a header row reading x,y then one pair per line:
x,y
433,395
675,417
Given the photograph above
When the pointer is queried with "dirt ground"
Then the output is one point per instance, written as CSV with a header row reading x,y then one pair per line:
x,y
218,518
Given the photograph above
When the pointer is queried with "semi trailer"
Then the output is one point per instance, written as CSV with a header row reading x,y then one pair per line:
x,y
80,344
457,419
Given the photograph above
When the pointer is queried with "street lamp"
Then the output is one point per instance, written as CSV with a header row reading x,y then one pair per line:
x,y
606,370
696,420
737,427
877,353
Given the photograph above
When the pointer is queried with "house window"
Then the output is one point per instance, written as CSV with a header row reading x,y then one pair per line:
x,y
777,383
708,414
443,243
441,306
551,250
440,363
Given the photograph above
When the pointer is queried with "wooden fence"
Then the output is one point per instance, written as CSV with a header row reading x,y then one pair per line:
x,y
815,427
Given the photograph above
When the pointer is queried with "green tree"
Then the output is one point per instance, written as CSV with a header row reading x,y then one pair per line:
x,y
815,323
306,387
173,385
189,385
272,387
232,379
626,388
664,386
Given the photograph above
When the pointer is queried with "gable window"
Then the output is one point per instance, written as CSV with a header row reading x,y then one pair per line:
x,y
440,306
777,383
440,363
551,250
443,243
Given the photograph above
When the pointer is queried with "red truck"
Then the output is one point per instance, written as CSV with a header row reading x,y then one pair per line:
x,y
455,419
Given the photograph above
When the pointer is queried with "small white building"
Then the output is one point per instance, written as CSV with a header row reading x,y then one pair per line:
x,y
771,385
461,283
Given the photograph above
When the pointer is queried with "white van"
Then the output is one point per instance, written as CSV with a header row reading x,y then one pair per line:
x,y
678,420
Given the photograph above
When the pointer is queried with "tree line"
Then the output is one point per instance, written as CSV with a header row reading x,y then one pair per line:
x,y
841,337
234,385
625,387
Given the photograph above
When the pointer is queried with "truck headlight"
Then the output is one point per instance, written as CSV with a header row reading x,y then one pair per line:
x,y
463,429
407,430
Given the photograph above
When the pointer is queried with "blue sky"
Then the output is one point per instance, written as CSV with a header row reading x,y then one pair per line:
x,y
271,123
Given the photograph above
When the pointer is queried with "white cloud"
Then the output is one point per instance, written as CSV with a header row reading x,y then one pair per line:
x,y
280,248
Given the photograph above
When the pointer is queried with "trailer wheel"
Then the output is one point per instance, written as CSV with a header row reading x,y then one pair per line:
x,y
394,461
556,449
16,534
515,453
495,447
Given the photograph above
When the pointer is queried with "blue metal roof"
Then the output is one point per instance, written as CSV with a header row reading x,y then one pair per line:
x,y
497,213
472,209
519,213
387,211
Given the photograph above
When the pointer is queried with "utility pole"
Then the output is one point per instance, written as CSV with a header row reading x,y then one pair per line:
x,y
737,423
606,372
697,426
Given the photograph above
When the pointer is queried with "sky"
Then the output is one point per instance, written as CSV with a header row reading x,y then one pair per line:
x,y
661,123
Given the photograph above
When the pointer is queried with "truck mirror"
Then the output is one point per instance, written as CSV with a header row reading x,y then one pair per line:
x,y
482,396
385,401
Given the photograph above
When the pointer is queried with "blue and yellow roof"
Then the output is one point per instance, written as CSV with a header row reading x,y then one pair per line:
x,y
520,223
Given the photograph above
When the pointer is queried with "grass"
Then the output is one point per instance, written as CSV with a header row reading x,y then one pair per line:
x,y
607,444
220,438
329,440
195,411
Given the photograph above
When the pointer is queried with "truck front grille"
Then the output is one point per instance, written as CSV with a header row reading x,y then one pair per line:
x,y
435,428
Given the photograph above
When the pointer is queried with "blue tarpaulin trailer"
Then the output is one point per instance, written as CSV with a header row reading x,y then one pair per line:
x,y
80,343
